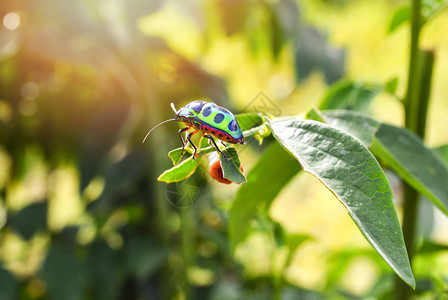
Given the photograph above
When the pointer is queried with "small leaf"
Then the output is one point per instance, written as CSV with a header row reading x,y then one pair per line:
x,y
391,86
431,8
357,124
181,171
419,166
30,219
233,15
442,152
144,257
175,155
123,173
217,174
8,285
340,261
292,293
119,177
293,241
249,120
274,169
276,35
103,270
315,114
314,53
63,270
309,52
231,166
350,95
332,64
347,168
288,14
400,16
430,247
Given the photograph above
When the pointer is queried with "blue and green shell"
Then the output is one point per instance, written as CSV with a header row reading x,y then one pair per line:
x,y
211,119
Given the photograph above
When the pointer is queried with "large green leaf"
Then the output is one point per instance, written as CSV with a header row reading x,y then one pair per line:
x,y
273,171
357,124
347,168
419,166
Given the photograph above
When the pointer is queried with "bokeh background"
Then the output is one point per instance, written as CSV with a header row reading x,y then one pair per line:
x,y
81,82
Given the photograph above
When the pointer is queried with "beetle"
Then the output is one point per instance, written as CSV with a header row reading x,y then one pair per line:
x,y
208,118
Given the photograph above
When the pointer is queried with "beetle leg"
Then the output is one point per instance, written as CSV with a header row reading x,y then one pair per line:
x,y
189,139
214,144
182,140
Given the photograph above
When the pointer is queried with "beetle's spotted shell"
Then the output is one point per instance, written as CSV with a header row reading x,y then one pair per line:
x,y
212,119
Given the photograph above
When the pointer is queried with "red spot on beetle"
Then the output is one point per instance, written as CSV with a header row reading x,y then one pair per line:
x,y
217,174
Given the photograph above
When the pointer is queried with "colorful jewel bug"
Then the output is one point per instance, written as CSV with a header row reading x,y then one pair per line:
x,y
209,119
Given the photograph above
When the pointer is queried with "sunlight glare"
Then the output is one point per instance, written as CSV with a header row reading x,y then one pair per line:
x,y
11,21
180,31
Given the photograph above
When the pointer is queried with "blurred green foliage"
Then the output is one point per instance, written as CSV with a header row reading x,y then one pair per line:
x,y
81,213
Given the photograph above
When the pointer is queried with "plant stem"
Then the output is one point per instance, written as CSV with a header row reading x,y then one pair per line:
x,y
188,246
262,130
426,69
402,291
412,91
410,195
416,107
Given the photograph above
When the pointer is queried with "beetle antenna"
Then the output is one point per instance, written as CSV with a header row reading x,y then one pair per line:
x,y
166,121
173,107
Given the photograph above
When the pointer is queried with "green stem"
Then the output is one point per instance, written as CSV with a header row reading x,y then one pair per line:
x,y
426,69
412,91
402,290
277,293
158,193
188,244
416,107
411,196
262,130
